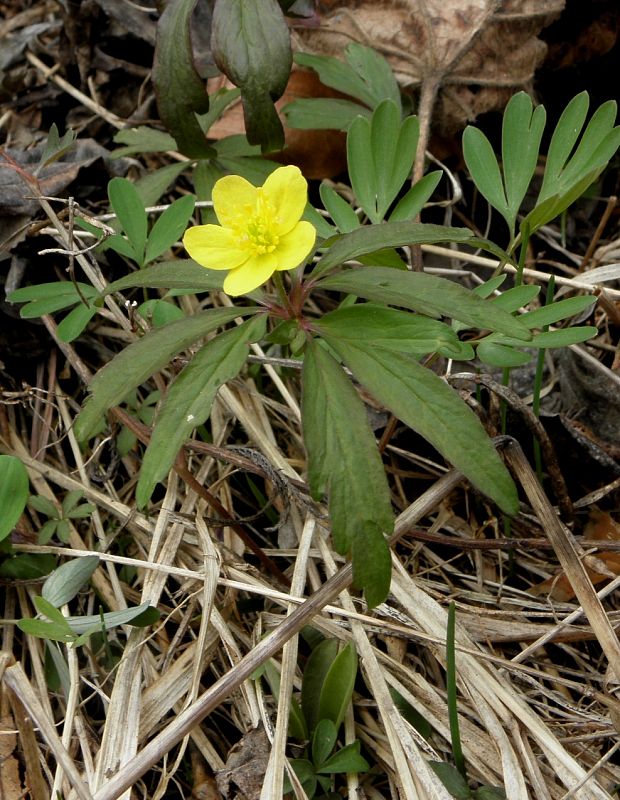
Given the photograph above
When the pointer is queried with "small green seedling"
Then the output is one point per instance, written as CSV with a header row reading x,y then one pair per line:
x,y
58,523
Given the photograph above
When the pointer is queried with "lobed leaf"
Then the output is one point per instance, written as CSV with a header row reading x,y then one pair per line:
x,y
522,132
339,210
428,294
137,362
410,205
339,441
189,400
484,169
431,408
129,210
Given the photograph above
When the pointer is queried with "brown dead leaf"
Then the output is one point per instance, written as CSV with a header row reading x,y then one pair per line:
x,y
245,767
10,783
604,566
476,52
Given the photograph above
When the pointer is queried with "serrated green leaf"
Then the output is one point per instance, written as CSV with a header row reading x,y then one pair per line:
x,y
133,365
554,312
361,170
323,741
189,400
348,759
322,113
452,779
391,234
320,660
522,132
339,210
339,440
409,206
251,45
389,328
66,581
168,228
428,294
429,406
338,686
484,169
181,94
129,210
14,490
75,322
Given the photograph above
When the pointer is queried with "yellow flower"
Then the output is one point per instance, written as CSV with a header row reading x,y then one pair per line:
x,y
260,229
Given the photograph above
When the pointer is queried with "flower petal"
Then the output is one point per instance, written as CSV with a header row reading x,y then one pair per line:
x,y
287,191
214,247
250,275
234,200
296,245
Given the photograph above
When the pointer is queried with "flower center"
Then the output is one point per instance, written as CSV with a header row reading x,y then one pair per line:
x,y
258,229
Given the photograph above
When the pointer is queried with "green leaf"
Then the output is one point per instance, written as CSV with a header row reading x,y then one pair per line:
x,y
348,759
429,406
75,322
452,779
339,441
484,169
562,309
412,715
338,75
190,397
339,210
390,234
521,134
499,355
129,210
169,227
322,113
297,728
56,146
43,506
323,741
181,94
133,365
564,337
389,328
160,312
46,298
338,685
47,609
320,660
219,102
563,142
156,182
425,293
489,793
13,493
46,630
375,71
251,45
66,581
513,299
394,147
361,170
143,140
47,531
27,566
71,500
139,616
409,206
306,775
182,274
